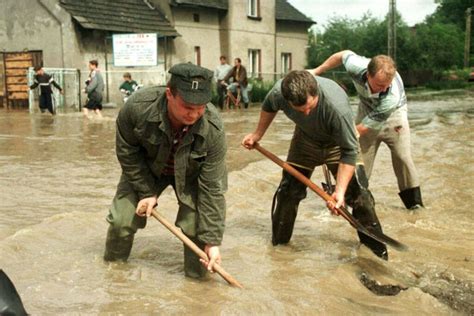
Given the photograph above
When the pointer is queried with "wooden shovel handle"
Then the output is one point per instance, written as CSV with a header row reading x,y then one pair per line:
x,y
189,243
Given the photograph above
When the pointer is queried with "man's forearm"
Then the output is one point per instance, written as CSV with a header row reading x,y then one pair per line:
x,y
266,118
344,176
335,60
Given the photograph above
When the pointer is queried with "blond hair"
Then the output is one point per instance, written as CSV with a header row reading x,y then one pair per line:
x,y
383,64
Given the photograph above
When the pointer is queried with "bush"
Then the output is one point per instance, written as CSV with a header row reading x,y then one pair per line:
x,y
447,84
450,79
260,89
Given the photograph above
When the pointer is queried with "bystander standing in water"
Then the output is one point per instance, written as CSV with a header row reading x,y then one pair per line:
x,y
44,81
94,89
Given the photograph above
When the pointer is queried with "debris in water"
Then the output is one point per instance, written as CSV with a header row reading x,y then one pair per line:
x,y
380,289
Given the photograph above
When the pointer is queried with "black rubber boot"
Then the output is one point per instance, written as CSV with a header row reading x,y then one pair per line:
x,y
412,198
362,202
117,248
10,301
288,196
246,105
364,211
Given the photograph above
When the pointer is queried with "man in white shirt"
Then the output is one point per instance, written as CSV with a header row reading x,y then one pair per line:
x,y
221,71
382,116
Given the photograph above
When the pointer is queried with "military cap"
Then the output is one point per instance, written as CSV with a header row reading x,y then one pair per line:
x,y
192,82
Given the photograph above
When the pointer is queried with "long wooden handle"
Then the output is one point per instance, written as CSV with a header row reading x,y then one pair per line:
x,y
298,175
377,235
189,243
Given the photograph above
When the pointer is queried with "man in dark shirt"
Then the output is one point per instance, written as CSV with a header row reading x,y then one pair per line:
x,y
128,86
324,134
239,75
44,81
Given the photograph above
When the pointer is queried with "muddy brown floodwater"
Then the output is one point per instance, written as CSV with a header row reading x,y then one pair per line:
x,y
58,176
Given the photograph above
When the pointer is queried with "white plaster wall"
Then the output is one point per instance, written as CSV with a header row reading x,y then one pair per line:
x,y
204,34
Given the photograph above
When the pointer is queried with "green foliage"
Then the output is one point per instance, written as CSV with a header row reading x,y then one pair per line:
x,y
435,45
438,46
451,12
447,84
260,89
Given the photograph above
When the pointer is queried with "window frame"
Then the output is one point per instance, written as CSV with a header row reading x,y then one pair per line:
x,y
253,9
254,73
286,59
197,55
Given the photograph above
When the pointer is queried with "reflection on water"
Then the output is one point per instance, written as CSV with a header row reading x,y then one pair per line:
x,y
58,176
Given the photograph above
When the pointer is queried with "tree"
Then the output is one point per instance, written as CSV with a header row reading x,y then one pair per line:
x,y
451,11
436,44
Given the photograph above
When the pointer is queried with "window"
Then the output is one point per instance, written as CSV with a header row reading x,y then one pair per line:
x,y
254,8
255,63
197,55
2,76
196,17
285,62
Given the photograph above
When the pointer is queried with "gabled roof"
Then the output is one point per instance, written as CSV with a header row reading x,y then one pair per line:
x,y
128,16
214,4
287,12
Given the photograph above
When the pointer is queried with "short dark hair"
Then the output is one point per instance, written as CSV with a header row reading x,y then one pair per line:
x,y
223,57
37,68
127,75
173,86
94,62
239,60
297,85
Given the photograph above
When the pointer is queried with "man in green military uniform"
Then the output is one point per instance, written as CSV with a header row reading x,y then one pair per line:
x,y
171,136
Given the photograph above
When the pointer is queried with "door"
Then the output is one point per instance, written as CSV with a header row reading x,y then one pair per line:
x,y
15,68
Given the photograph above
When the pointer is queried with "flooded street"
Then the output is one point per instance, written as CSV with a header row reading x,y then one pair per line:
x,y
58,176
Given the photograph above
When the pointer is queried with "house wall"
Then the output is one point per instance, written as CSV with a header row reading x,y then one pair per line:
x,y
245,33
26,25
292,38
204,34
44,25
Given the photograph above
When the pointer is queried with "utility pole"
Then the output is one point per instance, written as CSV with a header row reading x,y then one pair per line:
x,y
392,33
467,42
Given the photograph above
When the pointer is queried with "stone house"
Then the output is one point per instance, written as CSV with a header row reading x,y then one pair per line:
x,y
270,36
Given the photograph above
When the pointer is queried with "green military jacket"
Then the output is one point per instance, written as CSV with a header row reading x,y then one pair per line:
x,y
143,145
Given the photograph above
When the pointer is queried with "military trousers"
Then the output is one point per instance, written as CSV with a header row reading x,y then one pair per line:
x,y
124,223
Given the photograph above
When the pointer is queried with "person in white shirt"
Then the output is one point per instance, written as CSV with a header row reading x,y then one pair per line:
x,y
219,74
382,116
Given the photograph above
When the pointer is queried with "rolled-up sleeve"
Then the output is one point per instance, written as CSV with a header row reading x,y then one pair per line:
x,y
131,155
212,183
355,65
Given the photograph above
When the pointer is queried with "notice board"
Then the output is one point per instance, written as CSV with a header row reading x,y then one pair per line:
x,y
135,49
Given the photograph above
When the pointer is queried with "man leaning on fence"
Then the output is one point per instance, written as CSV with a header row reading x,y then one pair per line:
x,y
239,75
219,74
